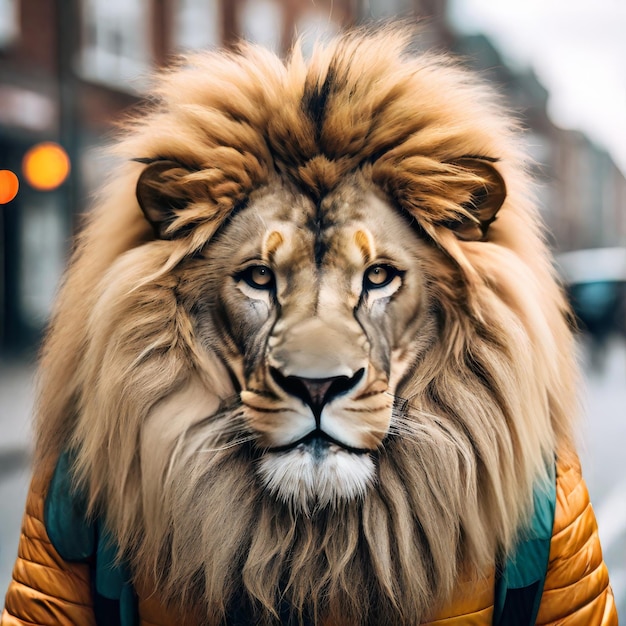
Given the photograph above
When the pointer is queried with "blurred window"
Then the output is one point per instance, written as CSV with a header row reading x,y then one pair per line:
x,y
42,258
197,24
262,22
9,24
116,36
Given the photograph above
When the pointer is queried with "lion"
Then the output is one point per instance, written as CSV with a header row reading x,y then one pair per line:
x,y
311,358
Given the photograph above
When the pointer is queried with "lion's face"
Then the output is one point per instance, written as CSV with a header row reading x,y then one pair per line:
x,y
319,305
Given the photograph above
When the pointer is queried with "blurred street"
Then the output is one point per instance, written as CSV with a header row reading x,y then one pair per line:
x,y
16,401
603,434
604,460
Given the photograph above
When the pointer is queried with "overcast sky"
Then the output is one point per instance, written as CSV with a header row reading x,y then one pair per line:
x,y
578,50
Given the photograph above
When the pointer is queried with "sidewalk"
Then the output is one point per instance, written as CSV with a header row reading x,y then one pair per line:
x,y
16,401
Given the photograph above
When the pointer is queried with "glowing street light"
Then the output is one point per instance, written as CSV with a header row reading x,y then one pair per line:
x,y
9,185
46,166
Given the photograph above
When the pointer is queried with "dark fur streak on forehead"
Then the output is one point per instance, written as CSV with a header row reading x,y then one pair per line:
x,y
315,99
317,223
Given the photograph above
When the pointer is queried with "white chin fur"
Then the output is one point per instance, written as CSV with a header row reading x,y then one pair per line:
x,y
306,481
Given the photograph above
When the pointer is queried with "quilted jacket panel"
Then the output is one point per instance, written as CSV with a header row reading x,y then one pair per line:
x,y
48,591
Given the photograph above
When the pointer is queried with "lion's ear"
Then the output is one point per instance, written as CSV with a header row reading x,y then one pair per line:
x,y
486,197
160,195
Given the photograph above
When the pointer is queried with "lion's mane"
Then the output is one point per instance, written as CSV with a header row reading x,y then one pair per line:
x,y
488,403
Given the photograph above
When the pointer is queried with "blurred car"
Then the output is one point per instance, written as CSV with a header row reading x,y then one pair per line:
x,y
595,281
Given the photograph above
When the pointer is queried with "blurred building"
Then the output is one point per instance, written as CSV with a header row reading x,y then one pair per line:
x,y
48,92
582,193
69,68
589,195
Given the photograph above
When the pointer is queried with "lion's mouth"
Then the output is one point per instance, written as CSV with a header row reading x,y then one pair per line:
x,y
318,442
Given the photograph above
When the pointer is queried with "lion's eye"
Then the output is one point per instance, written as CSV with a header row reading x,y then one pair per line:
x,y
258,277
379,276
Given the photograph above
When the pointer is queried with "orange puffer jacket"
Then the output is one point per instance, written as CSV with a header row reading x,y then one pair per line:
x,y
48,590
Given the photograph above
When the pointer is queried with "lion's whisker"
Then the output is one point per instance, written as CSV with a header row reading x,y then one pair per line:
x,y
232,444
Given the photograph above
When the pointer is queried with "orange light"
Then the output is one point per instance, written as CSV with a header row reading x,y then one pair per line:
x,y
46,166
9,184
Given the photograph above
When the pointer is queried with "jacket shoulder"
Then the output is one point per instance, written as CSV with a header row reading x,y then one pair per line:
x,y
45,589
577,590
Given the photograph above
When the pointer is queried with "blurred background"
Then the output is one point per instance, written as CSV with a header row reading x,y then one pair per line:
x,y
70,68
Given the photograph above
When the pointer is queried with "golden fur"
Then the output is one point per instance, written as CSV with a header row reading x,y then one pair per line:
x,y
140,380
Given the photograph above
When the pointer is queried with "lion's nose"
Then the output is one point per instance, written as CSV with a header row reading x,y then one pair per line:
x,y
316,392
